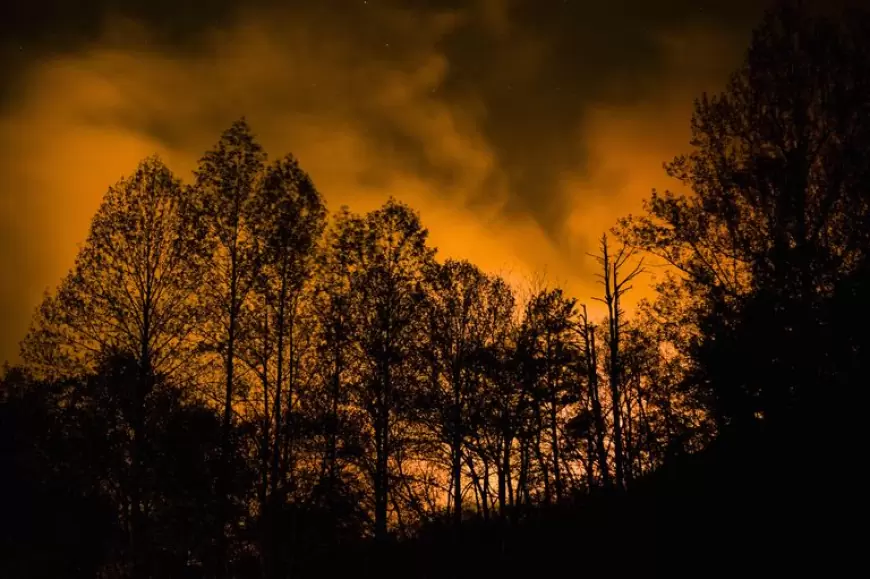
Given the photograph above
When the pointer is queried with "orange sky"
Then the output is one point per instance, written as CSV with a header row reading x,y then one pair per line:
x,y
365,122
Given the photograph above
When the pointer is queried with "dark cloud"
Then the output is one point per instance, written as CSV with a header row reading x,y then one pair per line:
x,y
540,73
59,24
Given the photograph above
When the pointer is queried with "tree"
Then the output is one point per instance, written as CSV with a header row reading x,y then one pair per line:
x,y
600,431
133,290
493,404
227,181
55,519
550,341
389,257
133,287
457,291
287,216
615,286
296,220
333,309
73,446
778,213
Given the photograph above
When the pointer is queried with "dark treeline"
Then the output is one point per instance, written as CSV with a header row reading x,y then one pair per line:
x,y
231,382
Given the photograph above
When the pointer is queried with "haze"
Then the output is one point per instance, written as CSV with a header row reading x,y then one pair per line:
x,y
520,130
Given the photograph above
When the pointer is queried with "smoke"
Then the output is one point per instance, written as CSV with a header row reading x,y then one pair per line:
x,y
517,148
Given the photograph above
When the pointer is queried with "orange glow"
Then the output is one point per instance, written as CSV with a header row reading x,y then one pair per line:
x,y
86,118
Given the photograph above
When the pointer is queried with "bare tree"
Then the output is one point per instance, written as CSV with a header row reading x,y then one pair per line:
x,y
615,286
591,365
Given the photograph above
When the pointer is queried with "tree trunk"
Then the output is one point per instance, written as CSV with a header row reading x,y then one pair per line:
x,y
504,474
142,387
224,486
615,398
485,489
611,299
523,485
456,450
381,459
557,474
590,461
539,455
267,422
597,413
279,379
289,426
333,423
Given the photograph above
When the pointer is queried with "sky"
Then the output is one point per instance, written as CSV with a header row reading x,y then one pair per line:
x,y
521,130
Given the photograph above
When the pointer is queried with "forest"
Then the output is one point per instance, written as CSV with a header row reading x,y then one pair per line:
x,y
234,382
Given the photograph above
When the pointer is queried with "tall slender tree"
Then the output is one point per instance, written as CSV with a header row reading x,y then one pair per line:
x,y
615,286
287,216
390,260
590,352
333,310
457,294
296,221
227,179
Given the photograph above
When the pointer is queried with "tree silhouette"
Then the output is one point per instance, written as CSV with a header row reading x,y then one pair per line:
x,y
335,313
457,289
390,257
227,180
290,218
76,446
615,285
549,335
778,216
134,284
55,520
132,290
590,352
